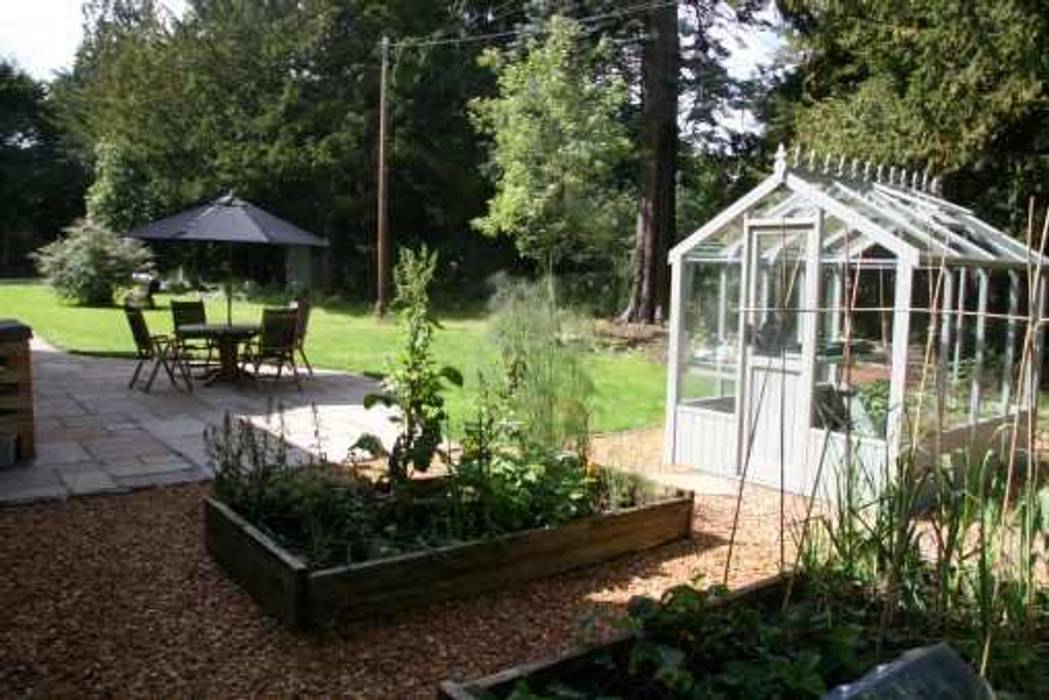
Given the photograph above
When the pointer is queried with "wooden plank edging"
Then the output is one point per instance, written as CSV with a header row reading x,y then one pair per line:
x,y
484,565
274,577
552,667
284,585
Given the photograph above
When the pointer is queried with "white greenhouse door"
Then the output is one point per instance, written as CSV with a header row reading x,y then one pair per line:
x,y
778,353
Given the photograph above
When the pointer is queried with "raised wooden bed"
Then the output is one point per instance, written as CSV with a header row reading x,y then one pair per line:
x,y
285,586
540,673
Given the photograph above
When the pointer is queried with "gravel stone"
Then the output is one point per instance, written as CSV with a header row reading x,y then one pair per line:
x,y
115,596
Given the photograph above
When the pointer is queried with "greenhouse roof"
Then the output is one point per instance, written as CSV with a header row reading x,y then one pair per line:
x,y
867,212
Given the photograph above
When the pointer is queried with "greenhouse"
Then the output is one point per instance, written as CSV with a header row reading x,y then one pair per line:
x,y
840,314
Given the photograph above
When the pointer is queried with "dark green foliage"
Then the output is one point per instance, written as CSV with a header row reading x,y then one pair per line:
x,y
276,100
90,262
695,647
692,647
40,183
960,86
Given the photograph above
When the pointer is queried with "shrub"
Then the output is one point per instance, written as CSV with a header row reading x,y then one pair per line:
x,y
90,262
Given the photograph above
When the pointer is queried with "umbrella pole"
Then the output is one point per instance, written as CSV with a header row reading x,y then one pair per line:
x,y
229,286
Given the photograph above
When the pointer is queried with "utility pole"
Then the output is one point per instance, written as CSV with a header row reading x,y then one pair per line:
x,y
382,232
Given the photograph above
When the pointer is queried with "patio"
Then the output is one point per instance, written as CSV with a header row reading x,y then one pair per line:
x,y
96,436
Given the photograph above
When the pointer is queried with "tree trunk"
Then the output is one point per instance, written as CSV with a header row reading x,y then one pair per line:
x,y
654,231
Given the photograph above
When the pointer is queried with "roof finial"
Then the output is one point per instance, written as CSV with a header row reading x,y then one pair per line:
x,y
880,176
937,186
812,159
780,166
855,171
892,174
797,154
926,176
841,164
826,162
915,179
867,171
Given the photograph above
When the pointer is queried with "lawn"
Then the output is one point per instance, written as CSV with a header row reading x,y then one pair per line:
x,y
349,337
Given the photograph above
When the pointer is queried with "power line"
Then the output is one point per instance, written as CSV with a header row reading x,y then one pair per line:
x,y
585,21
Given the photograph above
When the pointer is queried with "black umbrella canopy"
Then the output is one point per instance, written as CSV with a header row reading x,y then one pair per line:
x,y
226,220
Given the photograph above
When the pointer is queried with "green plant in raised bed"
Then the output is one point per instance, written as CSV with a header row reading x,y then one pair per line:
x,y
507,478
912,565
413,387
545,390
524,457
691,646
875,398
306,507
514,483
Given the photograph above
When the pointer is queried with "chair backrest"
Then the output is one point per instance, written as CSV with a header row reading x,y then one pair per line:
x,y
302,319
139,331
278,329
185,312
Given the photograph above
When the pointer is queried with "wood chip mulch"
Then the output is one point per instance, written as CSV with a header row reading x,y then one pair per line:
x,y
115,596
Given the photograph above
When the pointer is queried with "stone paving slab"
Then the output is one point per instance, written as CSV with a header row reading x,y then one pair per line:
x,y
96,436
143,468
61,451
19,497
95,481
185,476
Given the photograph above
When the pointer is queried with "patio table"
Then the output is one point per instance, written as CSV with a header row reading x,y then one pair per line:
x,y
227,336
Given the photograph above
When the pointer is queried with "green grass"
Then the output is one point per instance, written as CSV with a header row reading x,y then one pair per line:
x,y
348,337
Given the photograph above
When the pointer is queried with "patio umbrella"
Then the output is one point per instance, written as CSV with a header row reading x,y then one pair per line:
x,y
227,220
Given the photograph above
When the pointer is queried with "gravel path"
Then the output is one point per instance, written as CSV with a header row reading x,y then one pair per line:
x,y
115,596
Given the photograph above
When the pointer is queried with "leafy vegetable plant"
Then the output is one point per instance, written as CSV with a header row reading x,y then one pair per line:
x,y
413,387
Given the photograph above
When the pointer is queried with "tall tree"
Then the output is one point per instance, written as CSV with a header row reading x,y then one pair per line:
x,y
959,87
557,145
39,183
654,230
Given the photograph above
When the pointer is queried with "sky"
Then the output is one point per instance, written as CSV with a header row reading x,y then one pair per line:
x,y
42,35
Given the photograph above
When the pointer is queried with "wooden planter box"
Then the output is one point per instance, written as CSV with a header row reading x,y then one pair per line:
x,y
539,673
16,389
285,586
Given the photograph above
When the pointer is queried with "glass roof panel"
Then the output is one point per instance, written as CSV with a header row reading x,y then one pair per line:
x,y
921,222
722,244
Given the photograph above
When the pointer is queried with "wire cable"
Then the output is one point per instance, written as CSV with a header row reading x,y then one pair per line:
x,y
585,21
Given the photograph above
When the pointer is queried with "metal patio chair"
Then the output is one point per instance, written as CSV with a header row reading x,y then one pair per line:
x,y
184,313
161,350
275,344
302,321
